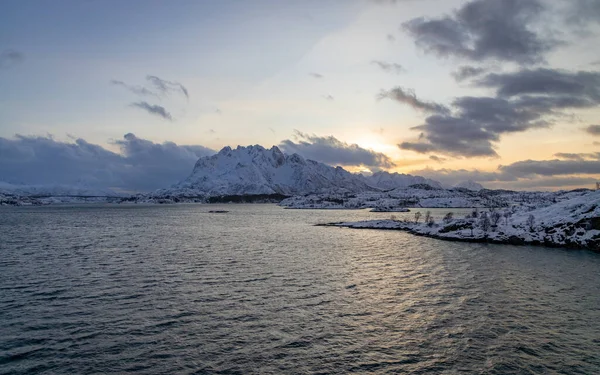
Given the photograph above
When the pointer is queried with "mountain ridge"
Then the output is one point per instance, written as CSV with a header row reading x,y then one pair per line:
x,y
256,170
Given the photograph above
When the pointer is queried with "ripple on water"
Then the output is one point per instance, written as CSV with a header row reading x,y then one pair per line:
x,y
174,289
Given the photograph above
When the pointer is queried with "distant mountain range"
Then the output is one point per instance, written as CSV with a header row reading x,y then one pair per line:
x,y
255,170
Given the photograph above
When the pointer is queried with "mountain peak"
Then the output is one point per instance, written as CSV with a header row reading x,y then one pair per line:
x,y
253,170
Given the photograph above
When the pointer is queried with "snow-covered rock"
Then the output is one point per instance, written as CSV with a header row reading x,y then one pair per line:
x,y
55,190
17,200
469,185
425,196
385,180
573,222
254,170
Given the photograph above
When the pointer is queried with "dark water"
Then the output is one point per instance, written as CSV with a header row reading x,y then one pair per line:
x,y
259,290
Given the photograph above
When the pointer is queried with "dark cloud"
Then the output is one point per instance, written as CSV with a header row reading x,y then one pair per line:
x,y
552,167
332,151
316,75
389,67
504,179
526,99
477,124
408,96
593,129
164,86
579,157
141,165
10,57
138,90
465,72
547,183
154,109
485,30
547,82
583,12
451,177
437,158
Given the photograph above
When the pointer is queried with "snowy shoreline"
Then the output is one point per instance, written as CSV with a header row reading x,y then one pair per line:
x,y
573,223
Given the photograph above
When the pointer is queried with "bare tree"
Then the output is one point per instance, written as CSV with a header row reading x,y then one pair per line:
x,y
530,222
417,216
507,215
427,216
484,222
495,218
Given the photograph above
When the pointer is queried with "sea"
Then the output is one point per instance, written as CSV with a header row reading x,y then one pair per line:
x,y
177,289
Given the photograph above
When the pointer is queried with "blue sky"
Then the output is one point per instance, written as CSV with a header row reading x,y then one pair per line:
x,y
312,75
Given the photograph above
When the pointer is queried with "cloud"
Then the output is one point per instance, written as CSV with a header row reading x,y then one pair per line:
x,y
316,75
503,178
552,167
465,72
138,90
582,12
164,86
485,30
154,109
593,129
408,96
583,86
141,164
525,99
474,128
390,38
451,177
332,151
437,158
393,2
329,97
578,157
10,58
389,67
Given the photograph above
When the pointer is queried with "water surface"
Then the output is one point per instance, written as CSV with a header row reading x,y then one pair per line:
x,y
175,289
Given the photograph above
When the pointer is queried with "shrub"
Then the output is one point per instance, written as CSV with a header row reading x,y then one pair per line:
x,y
448,218
417,216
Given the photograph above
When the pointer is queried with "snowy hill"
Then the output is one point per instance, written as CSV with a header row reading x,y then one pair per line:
x,y
55,190
254,170
469,185
388,181
573,221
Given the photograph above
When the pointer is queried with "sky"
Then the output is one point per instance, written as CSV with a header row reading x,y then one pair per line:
x,y
129,94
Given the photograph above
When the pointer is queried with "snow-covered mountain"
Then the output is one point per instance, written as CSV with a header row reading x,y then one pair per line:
x,y
387,181
469,185
254,170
